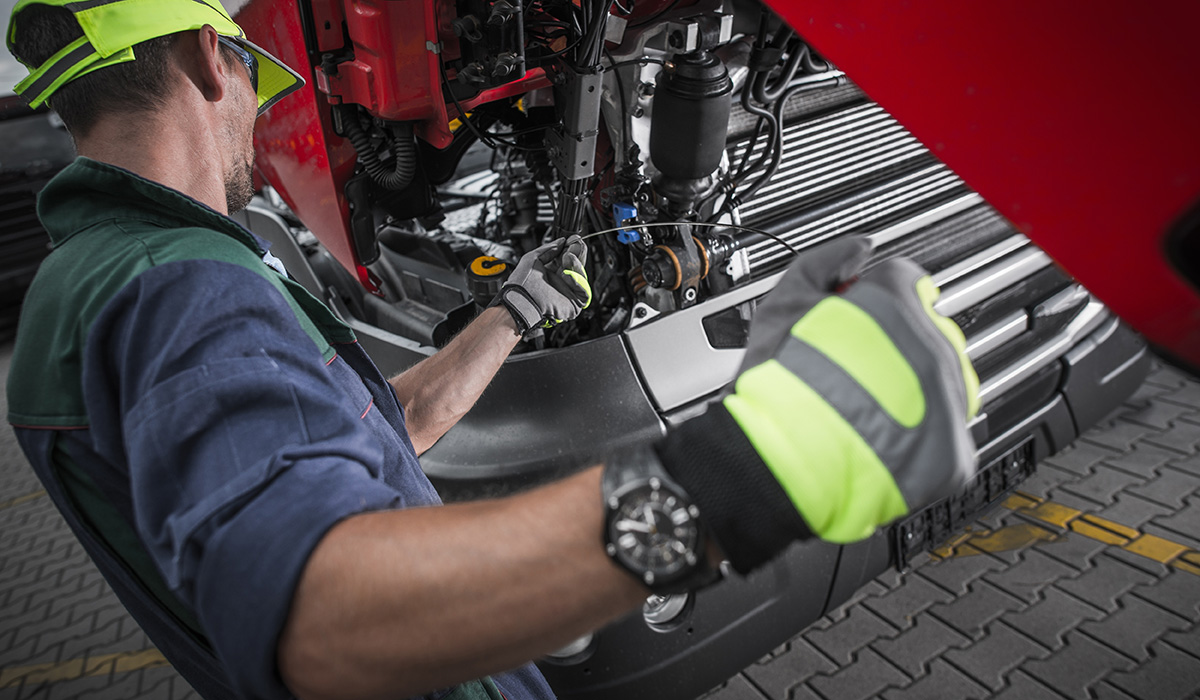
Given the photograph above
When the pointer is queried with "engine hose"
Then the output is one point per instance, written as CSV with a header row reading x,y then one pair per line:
x,y
766,94
404,155
811,83
768,154
811,65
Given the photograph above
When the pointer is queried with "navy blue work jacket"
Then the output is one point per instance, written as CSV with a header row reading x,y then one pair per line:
x,y
201,421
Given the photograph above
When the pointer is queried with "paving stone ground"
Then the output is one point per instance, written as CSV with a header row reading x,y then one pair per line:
x,y
1064,615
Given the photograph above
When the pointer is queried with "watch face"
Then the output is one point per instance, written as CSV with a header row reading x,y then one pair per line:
x,y
654,532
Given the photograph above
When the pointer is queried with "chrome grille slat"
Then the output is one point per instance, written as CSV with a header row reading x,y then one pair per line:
x,y
991,280
752,211
920,221
935,181
825,153
996,335
856,162
797,138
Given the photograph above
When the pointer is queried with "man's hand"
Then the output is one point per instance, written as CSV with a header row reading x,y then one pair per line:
x,y
849,411
548,286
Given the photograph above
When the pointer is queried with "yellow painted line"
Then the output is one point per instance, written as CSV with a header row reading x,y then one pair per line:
x,y
1020,500
83,667
1184,566
22,499
1003,540
1098,533
1156,548
1113,527
1065,518
1054,513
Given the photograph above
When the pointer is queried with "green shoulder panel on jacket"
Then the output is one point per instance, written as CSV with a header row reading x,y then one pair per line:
x,y
84,272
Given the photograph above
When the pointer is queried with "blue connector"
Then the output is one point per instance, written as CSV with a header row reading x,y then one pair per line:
x,y
623,212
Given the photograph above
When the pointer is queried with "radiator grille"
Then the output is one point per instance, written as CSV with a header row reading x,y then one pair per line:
x,y
854,170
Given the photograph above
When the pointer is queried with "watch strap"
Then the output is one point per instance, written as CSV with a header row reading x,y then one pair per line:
x,y
634,464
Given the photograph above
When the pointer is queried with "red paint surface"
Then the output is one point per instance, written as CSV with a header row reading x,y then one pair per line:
x,y
1081,124
295,147
393,74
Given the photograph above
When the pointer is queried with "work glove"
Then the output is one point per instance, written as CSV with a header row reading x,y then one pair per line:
x,y
849,410
548,285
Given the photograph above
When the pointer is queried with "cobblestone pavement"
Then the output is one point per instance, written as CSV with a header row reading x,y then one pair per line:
x,y
1084,585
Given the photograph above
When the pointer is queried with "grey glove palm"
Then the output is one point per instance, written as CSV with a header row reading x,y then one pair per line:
x,y
548,286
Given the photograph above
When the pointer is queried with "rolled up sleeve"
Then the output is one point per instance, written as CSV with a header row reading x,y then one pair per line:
x,y
242,450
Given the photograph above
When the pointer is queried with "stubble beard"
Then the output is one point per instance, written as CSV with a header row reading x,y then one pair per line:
x,y
239,180
239,184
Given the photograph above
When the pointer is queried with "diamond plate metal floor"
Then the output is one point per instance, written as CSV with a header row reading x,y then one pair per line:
x,y
1086,584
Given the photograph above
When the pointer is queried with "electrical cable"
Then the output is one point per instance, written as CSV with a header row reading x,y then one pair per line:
x,y
594,38
624,106
404,154
774,144
661,224
488,139
643,61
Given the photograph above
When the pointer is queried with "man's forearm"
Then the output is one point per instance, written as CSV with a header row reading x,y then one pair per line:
x,y
439,390
398,603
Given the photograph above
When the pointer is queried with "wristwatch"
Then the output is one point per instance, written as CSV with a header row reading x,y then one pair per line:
x,y
651,527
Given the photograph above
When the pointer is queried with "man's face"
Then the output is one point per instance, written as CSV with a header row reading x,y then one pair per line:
x,y
239,138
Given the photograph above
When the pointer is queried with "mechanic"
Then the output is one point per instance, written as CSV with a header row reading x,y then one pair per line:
x,y
248,482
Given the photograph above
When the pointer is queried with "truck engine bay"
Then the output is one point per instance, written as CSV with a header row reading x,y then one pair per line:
x,y
697,147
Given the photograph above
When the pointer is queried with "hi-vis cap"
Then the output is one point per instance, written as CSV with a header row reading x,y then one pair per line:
x,y
112,27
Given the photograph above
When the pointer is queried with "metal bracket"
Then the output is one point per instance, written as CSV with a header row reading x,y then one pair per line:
x,y
572,145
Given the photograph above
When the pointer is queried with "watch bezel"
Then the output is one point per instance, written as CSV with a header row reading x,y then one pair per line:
x,y
654,578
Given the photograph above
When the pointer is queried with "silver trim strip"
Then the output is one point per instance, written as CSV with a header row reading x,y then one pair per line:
x,y
991,281
674,355
918,187
977,261
997,334
1014,373
924,219
814,184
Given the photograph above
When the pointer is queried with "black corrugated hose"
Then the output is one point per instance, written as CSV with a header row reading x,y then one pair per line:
x,y
404,154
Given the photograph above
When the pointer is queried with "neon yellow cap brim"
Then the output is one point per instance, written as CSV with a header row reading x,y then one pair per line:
x,y
275,79
113,26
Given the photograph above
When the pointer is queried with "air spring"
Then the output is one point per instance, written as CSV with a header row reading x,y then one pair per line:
x,y
691,116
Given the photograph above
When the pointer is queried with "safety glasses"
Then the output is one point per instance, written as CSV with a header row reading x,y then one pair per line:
x,y
248,59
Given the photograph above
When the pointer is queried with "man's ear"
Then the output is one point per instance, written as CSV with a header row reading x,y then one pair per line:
x,y
203,62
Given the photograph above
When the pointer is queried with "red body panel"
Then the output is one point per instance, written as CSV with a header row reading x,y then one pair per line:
x,y
295,146
394,74
1081,124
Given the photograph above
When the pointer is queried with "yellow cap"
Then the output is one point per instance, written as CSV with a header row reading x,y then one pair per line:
x,y
487,266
